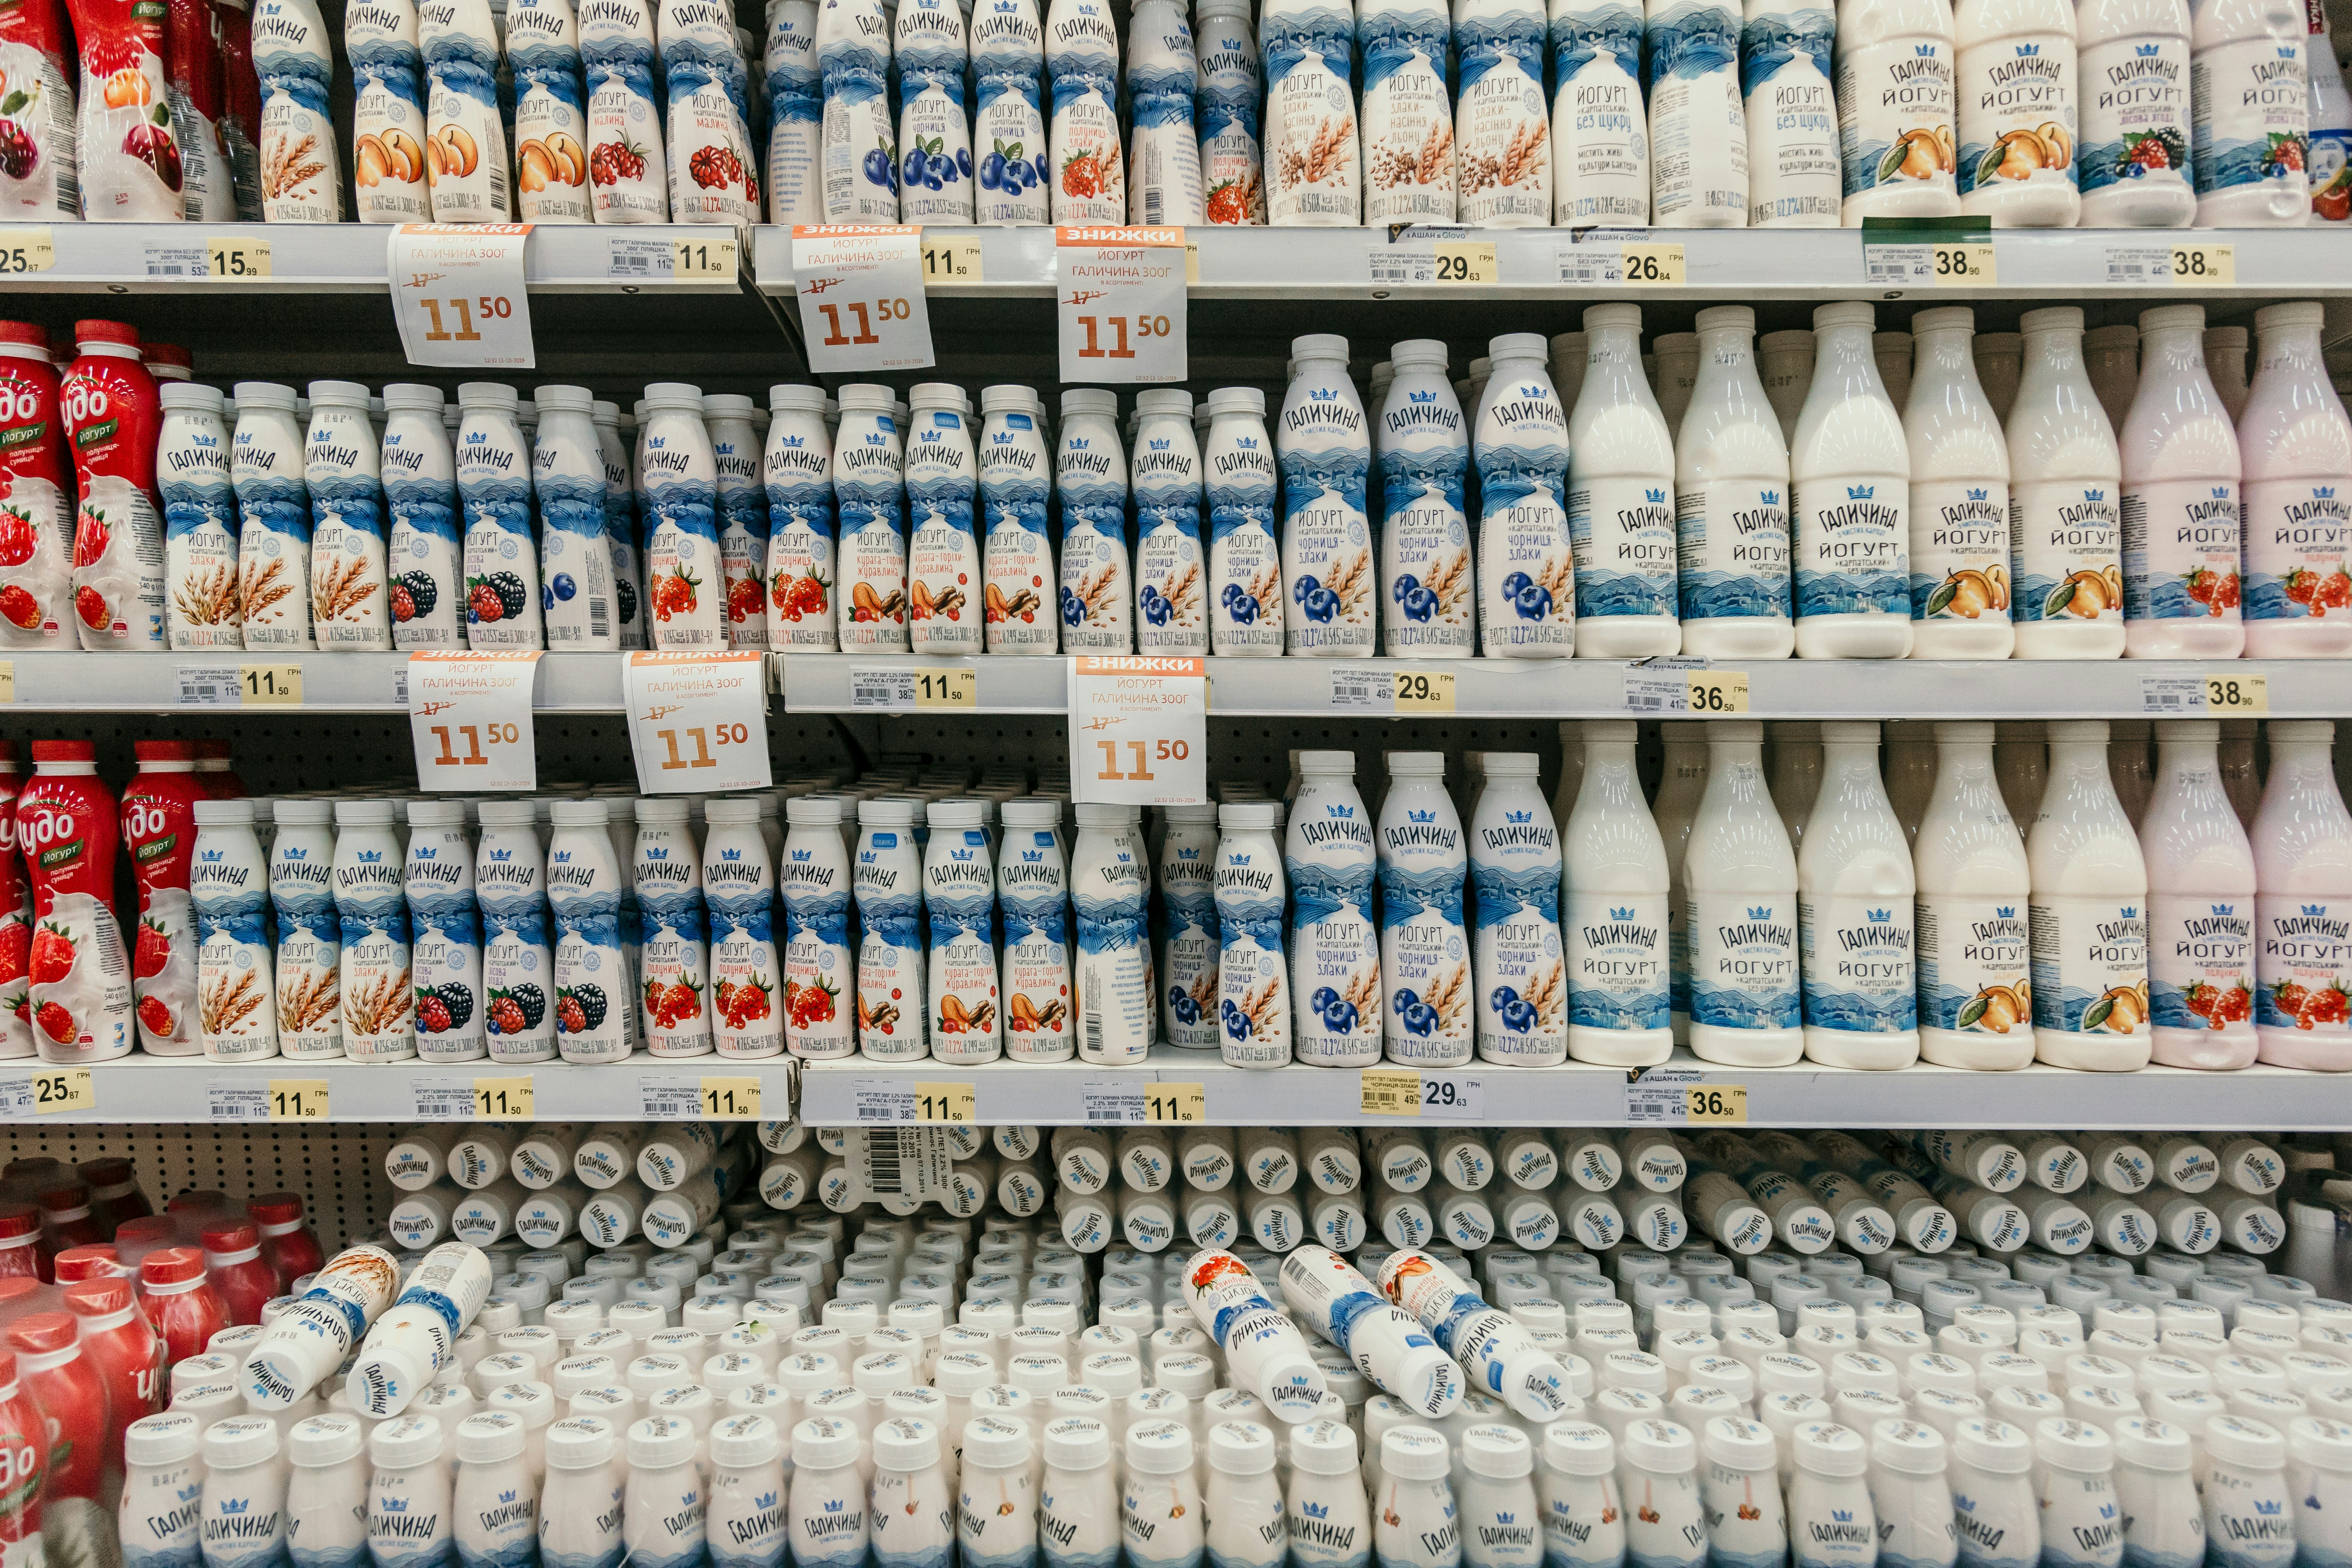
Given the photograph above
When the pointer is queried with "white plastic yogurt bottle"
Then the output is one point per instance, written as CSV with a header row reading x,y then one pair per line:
x,y
860,168
945,617
1959,498
2201,906
445,933
200,520
2250,114
1109,890
501,555
388,107
274,509
1328,570
802,559
378,1003
743,516
595,1000
509,889
1621,510
1171,590
1225,108
1527,586
2181,500
1740,876
1253,987
813,877
665,1508
625,122
1855,896
462,55
228,887
739,897
427,558
1897,109
310,937
1088,165
1008,128
1680,789
2133,158
1614,896
1698,126
1731,501
1973,932
1185,875
1515,873
1850,478
928,48
542,42
996,1508
1314,167
1408,110
2017,107
2303,857
2248,1512
1164,153
1324,1504
2089,912
567,474
1096,596
1600,129
1428,1015
1501,119
1015,478
795,95
867,467
1747,1525
675,964
1787,78
890,971
1328,859
1242,483
161,1518
2066,482
2295,444
327,1493
1426,578
684,572
1033,896
966,1021
580,1502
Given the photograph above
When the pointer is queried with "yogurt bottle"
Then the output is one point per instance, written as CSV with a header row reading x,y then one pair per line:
x,y
960,896
1225,112
293,66
494,1502
2164,1525
2066,474
802,560
1414,1523
1244,562
1033,896
595,1000
161,1517
200,528
2082,1517
274,511
713,169
1252,996
1328,860
378,1001
1657,1466
310,939
1731,496
1850,478
2018,113
1960,547
2133,161
1087,165
674,971
579,1504
1698,126
1855,892
460,42
813,879
860,141
1189,939
890,968
550,116
1016,559
1171,583
1408,111
1109,888
624,126
1501,115
1008,59
1090,474
567,474
2202,914
2303,950
1326,457
1896,110
1614,895
1740,876
1426,958
1621,482
1324,1506
2250,114
1515,871
425,559
2250,1515
1600,128
228,886
866,470
1164,156
1527,587
409,1493
1785,78
1313,162
665,1509
387,113
738,892
620,528
340,470
1244,1507
1994,1506
943,552
1577,1491
494,486
445,933
1426,577
2296,447
111,416
685,572
39,469
327,1495
795,96
2181,522
934,127
243,1505
1160,1521
1976,998
509,873
2090,940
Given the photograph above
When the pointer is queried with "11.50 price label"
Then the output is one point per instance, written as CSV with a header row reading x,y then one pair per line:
x,y
1119,296
698,721
457,294
860,288
469,720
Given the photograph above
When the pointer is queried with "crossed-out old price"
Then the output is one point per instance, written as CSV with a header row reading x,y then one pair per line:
x,y
1108,336
862,316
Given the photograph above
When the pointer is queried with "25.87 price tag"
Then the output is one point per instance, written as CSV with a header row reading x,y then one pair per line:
x,y
698,721
861,297
469,717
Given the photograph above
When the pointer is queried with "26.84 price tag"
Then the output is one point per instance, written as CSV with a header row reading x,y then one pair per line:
x,y
1119,299
469,716
861,297
698,721
457,294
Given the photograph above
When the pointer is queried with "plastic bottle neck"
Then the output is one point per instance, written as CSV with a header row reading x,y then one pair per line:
x,y
2295,346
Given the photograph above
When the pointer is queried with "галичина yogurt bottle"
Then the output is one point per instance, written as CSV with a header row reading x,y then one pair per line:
x,y
1017,558
713,169
1515,873
38,471
620,527
462,123
308,974
551,111
1427,1013
738,895
1031,894
796,114
960,896
509,875
1740,880
445,936
1314,167
1896,110
2303,946
494,487
2181,524
1621,498
867,470
1973,935
567,474
1614,898
673,969
1232,179
426,559
2089,912
387,111
1171,587
273,504
812,879
339,469
2202,914
2296,448
1329,858
2133,160
230,888
1526,571
944,616
1495,1351
890,969
1787,80
1698,126
2249,1511
1850,478
200,533
629,177
1731,492
1408,110
1109,888
2066,480
743,516
294,61
1008,128
1085,164
1856,892
1090,472
1325,450
1252,981
1600,128
33,53
595,999
2017,112
379,1002
1189,935
161,1518
1426,578
1164,154
686,577
1245,560
2250,113
802,559
1959,498
747,1519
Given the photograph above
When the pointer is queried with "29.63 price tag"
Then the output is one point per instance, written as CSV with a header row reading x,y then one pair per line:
x,y
1139,730
469,716
698,721
861,297
1119,299
457,294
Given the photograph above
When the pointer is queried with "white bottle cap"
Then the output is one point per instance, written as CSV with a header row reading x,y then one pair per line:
x,y
2070,1445
1414,1453
1496,1451
987,1440
2236,1440
164,1439
1239,1449
1737,1444
488,1438
1664,1447
398,1444
1907,1447
741,1441
1578,1448
1076,1443
2151,1444
657,1442
321,1440
1160,1448
580,1442
1323,1448
1994,1447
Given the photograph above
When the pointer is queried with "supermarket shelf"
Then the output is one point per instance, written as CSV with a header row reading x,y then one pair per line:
x,y
1721,263
331,682
143,1088
341,259
1596,689
1575,1095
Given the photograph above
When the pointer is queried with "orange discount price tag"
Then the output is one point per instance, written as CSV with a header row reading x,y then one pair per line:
x,y
457,294
1119,297
698,721
469,717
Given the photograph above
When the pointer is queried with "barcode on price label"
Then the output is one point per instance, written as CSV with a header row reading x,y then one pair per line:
x,y
2172,694
914,1163
1114,1100
209,685
2139,264
670,1098
1361,690
442,1098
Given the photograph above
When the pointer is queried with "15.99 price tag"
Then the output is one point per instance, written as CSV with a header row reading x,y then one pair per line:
x,y
1119,297
1139,730
861,297
470,715
698,721
457,295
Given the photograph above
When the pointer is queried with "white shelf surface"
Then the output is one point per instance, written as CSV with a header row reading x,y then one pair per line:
x,y
1596,688
331,682
1576,1095
1725,264
348,258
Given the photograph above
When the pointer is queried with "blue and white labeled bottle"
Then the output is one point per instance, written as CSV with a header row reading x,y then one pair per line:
x,y
1621,498
1252,985
228,887
445,933
1164,156
347,543
945,617
1245,560
620,528
738,892
550,112
796,114
1408,110
1033,895
294,61
1526,570
1328,572
1425,961
461,41
1171,584
1185,874
1856,894
624,124
867,474
1786,77
2250,113
674,969
1515,870
567,473
861,146
713,168
1614,905
494,485
310,937
1017,556
891,1015
934,127
685,574
742,502
509,889
378,1006
1427,580
1087,168
1501,119
1698,124
1110,889
274,517
1314,164
812,879
1008,125
1731,500
1225,112
1090,473
1740,874
426,564
387,111
596,998
200,519
959,895
1331,859
1849,483
803,561
1600,128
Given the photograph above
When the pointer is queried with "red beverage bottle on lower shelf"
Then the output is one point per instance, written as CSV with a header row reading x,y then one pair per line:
x,y
288,1243
233,1260
215,771
20,1236
24,1437
66,820
115,1197
159,829
117,1340
65,1223
72,1393
180,1301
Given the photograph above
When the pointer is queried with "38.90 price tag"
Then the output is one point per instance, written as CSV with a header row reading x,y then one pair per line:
x,y
861,297
469,716
1119,299
698,721
457,294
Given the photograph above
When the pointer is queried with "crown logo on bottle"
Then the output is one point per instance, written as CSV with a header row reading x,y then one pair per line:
x,y
1760,913
765,1500
1880,917
1977,495
2106,1511
2130,912
2095,495
1316,1510
2025,49
1859,492
833,1505
1924,51
1421,815
2006,912
1034,857
1341,811
1236,859
793,441
2315,908
2323,492
1420,397
2145,51
1504,1518
1323,394
1246,443
1771,498
2267,1505
1159,445
2223,909
506,1496
1843,1515
1626,914
2220,492
1519,816
1655,498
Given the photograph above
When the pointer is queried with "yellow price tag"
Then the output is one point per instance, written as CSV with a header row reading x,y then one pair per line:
x,y
7,680
947,689
63,1088
29,248
269,684
702,259
1719,1103
944,1102
1719,691
1191,261
502,1098
1424,694
1176,1102
1470,263
730,1098
1963,264
1391,1092
950,261
2238,695
297,1099
235,257
1660,265
2205,266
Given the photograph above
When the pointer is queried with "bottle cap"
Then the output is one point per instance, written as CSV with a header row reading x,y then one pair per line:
x,y
987,1440
1160,1448
741,1441
1577,1448
317,1441
1665,1448
2237,1440
487,1437
1076,1443
1412,1453
164,1439
1323,1448
1827,1449
2151,1444
1241,1448
902,1443
1994,1447
580,1442
1497,1451
2070,1445
1907,1447
1737,1444
406,1441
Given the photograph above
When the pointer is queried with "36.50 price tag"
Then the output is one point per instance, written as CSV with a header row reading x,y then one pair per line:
x,y
1139,730
457,294
698,721
861,297
1119,297
469,716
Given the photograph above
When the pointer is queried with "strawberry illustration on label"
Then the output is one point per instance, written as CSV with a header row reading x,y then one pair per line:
x,y
113,417
79,974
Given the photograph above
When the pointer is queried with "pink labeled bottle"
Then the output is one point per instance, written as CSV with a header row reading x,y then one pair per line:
x,y
2181,500
2201,906
2303,916
2297,445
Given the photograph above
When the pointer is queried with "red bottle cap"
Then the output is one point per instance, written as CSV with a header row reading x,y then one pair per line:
x,y
18,1219
164,751
172,1266
42,1332
166,353
155,1229
98,1298
235,1236
64,1199
106,333
8,1374
276,1208
77,1264
25,333
65,750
